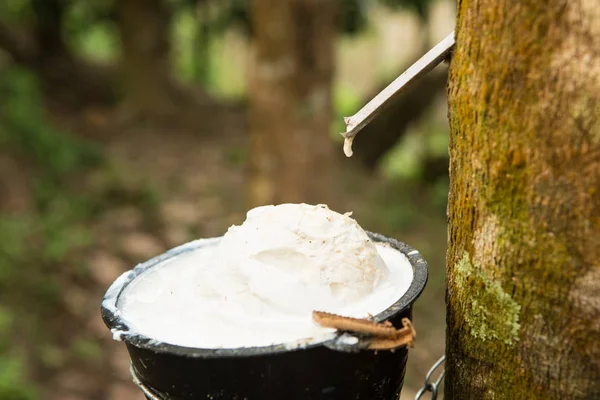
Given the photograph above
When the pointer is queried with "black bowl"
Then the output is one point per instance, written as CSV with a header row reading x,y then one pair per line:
x,y
334,369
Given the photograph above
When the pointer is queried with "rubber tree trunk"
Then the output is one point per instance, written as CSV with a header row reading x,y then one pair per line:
x,y
290,94
524,207
144,27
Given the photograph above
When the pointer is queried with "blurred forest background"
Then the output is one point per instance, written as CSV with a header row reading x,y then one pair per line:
x,y
128,127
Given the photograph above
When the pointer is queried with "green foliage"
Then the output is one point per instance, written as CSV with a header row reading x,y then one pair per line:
x,y
235,156
394,208
427,139
87,349
418,6
345,103
185,33
23,126
97,42
83,14
439,192
35,245
31,248
199,56
353,16
404,161
233,13
437,139
13,385
15,10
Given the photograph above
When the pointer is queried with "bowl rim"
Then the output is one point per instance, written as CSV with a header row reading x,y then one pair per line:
x,y
121,331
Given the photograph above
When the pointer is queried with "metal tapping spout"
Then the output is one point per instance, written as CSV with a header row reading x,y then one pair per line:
x,y
430,60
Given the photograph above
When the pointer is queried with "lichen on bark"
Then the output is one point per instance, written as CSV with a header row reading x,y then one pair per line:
x,y
489,312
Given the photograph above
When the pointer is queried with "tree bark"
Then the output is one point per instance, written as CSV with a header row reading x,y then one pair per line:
x,y
290,101
144,27
523,263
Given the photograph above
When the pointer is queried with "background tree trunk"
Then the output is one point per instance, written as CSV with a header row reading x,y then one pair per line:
x,y
524,236
290,100
145,42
